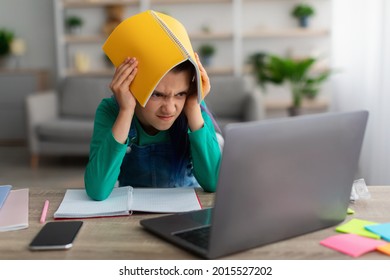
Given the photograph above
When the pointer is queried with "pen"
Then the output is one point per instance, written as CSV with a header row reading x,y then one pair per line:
x,y
44,211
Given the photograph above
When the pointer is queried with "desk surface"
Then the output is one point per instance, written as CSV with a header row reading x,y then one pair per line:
x,y
123,237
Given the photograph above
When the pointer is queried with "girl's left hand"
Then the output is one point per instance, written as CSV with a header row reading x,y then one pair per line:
x,y
192,100
204,77
192,108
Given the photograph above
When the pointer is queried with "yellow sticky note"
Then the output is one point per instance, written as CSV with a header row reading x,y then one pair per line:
x,y
356,226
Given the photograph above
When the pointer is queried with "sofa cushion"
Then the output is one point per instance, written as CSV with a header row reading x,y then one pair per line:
x,y
227,97
80,96
70,130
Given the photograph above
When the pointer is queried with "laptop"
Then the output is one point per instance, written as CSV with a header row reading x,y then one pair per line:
x,y
278,179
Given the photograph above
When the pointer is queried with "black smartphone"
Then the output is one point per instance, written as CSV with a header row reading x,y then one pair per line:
x,y
56,236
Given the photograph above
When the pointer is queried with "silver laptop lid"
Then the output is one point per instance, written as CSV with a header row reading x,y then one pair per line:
x,y
285,177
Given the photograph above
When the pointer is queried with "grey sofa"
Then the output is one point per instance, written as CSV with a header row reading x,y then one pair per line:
x,y
60,122
233,99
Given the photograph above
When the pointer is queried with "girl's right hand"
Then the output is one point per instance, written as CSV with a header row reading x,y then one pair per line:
x,y
120,84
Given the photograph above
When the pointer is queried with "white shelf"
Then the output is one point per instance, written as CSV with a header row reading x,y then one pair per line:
x,y
233,35
110,72
286,33
74,39
220,70
171,2
97,3
211,36
319,103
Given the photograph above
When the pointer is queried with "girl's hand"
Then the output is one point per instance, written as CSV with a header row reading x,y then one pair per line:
x,y
204,77
192,99
123,77
192,108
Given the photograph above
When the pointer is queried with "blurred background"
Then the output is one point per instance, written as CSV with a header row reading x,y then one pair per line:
x,y
291,57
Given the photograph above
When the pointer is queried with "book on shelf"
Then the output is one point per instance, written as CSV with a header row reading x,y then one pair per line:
x,y
159,42
124,200
14,213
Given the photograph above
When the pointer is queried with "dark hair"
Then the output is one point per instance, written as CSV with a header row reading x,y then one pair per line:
x,y
179,129
184,66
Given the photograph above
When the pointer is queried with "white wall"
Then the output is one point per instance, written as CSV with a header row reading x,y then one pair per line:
x,y
361,53
33,21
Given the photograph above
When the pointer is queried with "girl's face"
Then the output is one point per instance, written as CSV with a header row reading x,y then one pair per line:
x,y
165,104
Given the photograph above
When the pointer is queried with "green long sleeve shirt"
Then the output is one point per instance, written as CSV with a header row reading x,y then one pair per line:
x,y
106,154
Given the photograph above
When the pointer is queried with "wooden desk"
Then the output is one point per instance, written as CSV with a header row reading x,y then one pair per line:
x,y
123,238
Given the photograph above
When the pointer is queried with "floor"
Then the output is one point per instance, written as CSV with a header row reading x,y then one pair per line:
x,y
52,172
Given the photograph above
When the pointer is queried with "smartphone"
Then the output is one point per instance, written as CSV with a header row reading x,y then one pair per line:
x,y
56,236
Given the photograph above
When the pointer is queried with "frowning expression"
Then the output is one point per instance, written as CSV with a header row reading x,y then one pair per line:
x,y
165,104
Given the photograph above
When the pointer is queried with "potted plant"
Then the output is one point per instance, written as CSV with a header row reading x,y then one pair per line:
x,y
206,52
73,24
298,74
302,12
6,38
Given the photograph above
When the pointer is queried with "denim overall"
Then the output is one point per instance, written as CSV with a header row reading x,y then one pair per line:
x,y
152,166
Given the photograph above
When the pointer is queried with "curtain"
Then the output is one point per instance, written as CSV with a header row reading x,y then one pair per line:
x,y
361,60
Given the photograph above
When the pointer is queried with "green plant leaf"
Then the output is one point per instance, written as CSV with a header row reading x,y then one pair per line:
x,y
6,38
302,10
297,73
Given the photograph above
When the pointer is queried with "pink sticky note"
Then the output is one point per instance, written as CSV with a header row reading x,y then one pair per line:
x,y
352,244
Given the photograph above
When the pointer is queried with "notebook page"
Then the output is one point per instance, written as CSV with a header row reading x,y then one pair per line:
x,y
165,200
14,213
77,204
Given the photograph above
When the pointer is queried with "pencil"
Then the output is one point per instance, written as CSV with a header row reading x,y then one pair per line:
x,y
44,211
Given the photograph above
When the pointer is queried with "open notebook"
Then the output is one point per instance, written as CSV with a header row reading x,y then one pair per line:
x,y
122,201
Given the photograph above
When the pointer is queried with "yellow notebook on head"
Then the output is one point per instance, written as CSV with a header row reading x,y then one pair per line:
x,y
159,42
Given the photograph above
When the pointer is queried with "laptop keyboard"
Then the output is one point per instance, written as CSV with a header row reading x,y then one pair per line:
x,y
199,237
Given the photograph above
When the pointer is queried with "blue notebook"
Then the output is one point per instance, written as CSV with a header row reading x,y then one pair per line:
x,y
4,191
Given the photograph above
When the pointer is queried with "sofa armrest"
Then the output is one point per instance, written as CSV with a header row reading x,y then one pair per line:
x,y
41,107
254,106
